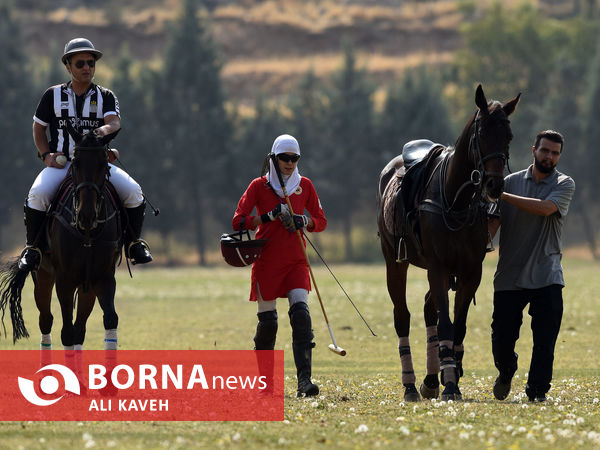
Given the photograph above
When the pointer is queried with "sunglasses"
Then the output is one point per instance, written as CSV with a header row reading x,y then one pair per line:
x,y
90,62
288,158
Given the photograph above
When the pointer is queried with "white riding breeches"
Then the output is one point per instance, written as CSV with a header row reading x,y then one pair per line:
x,y
46,184
294,296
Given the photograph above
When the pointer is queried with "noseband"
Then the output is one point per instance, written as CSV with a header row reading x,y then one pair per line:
x,y
89,185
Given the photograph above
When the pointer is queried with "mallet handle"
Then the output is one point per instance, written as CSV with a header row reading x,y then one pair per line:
x,y
333,347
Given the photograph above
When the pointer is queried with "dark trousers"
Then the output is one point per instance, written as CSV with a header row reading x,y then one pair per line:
x,y
545,309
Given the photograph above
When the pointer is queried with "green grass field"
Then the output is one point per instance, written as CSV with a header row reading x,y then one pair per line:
x,y
360,405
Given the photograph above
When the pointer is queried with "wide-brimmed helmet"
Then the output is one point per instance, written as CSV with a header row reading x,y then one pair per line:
x,y
80,45
239,252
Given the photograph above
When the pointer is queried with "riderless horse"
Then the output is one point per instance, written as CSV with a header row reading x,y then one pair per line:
x,y
432,212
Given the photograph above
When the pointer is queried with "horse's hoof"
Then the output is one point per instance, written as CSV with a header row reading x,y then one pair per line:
x,y
411,394
458,395
428,392
451,392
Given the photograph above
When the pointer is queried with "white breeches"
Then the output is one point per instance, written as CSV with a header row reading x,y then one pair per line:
x,y
46,184
294,296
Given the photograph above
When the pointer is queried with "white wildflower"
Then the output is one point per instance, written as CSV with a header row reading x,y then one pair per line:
x,y
362,428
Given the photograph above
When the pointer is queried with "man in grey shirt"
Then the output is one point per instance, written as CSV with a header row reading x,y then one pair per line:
x,y
533,206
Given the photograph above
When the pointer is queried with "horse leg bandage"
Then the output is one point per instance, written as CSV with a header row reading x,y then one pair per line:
x,y
110,339
447,362
433,351
46,342
408,372
459,352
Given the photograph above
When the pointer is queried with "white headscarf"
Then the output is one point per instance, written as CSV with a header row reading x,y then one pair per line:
x,y
284,144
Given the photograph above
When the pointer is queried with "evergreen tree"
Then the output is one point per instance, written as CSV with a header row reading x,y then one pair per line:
x,y
414,109
308,106
257,136
588,182
193,119
17,106
350,160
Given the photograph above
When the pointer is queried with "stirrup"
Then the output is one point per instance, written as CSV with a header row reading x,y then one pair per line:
x,y
146,247
402,251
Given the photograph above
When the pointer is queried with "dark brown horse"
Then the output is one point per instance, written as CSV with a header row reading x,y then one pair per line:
x,y
439,223
83,233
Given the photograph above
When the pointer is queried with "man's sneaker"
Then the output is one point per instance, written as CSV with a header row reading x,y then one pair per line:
x,y
538,398
502,387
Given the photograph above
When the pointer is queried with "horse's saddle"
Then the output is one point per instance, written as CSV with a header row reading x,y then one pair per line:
x,y
411,185
415,151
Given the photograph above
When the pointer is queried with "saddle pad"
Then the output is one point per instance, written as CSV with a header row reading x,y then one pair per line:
x,y
391,217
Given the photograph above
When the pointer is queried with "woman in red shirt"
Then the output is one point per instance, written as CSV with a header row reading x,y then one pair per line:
x,y
281,270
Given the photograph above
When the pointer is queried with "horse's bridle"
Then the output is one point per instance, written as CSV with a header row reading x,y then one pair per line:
x,y
476,180
475,150
99,189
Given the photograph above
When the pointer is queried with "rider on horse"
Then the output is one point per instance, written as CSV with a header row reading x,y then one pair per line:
x,y
88,107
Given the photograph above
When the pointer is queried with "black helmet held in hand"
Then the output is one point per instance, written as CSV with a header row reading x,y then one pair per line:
x,y
239,252
80,45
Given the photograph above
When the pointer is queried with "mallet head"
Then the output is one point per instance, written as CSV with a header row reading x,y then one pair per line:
x,y
339,350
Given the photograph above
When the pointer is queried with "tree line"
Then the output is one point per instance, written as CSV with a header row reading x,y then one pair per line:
x,y
194,152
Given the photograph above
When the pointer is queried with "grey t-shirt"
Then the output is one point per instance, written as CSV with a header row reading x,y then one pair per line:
x,y
531,245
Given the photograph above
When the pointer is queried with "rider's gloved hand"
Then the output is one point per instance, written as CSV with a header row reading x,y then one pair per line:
x,y
275,213
300,221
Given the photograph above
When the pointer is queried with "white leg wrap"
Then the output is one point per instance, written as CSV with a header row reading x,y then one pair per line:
x,y
110,339
46,342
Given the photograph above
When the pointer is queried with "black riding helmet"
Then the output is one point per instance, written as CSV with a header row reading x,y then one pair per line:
x,y
80,45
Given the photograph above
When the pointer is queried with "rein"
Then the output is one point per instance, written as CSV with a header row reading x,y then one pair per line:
x,y
99,189
448,210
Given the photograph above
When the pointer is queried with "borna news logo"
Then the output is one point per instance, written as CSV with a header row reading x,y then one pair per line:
x,y
141,385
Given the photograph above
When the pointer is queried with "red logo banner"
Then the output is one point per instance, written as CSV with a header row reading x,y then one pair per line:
x,y
223,385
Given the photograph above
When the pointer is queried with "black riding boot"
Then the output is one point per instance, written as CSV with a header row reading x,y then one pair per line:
x,y
136,249
302,346
266,333
32,256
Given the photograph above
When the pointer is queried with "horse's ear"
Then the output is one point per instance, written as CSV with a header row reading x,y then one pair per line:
x,y
75,134
104,140
510,106
481,101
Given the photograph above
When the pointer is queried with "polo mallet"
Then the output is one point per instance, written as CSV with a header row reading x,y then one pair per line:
x,y
333,346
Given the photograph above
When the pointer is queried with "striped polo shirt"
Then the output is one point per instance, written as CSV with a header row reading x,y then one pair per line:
x,y
86,112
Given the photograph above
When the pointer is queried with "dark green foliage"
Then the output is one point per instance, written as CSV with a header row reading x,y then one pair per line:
x,y
194,127
414,109
17,105
350,159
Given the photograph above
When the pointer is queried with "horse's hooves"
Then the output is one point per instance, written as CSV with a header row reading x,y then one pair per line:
x,y
451,392
428,392
411,394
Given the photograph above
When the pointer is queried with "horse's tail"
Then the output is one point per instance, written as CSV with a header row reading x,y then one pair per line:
x,y
12,281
